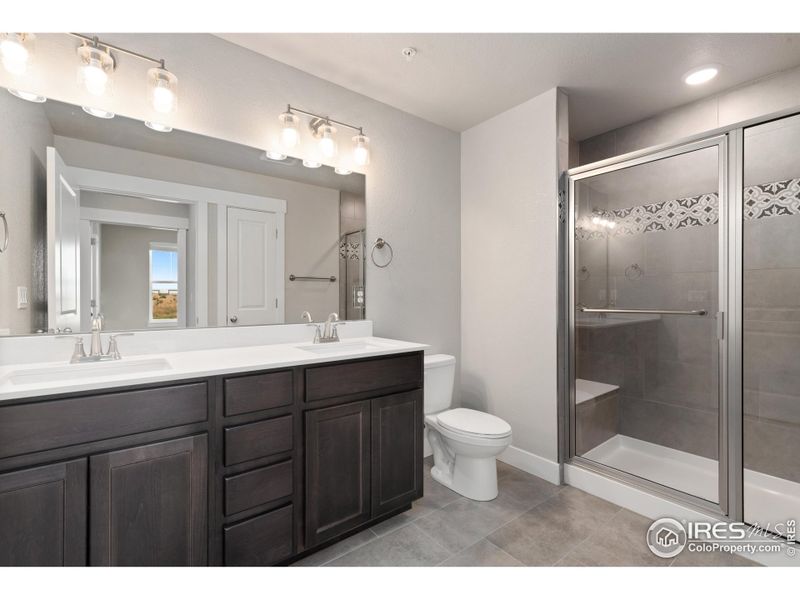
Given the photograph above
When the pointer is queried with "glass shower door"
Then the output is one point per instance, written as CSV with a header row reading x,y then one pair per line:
x,y
645,369
771,328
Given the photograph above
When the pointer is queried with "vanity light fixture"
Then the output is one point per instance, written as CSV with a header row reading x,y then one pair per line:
x,y
701,75
323,128
342,171
98,112
29,96
311,164
15,51
98,64
160,127
273,155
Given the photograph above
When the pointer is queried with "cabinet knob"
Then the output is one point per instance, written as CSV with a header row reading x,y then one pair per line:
x,y
234,319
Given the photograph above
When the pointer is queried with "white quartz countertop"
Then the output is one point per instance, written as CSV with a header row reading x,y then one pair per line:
x,y
39,379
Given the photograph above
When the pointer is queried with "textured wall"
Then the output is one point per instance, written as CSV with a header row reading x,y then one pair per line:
x,y
231,93
508,261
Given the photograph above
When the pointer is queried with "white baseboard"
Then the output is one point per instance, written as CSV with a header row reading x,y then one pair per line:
x,y
532,463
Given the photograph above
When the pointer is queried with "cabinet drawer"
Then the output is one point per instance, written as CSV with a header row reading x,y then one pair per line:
x,y
257,440
257,392
256,487
364,376
52,424
260,541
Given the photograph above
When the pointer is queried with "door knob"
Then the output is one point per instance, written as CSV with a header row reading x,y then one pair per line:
x,y
234,318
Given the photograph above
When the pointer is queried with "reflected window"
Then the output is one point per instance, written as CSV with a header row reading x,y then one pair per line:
x,y
163,284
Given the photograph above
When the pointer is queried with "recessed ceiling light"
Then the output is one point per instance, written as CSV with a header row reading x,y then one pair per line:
x,y
342,171
99,113
272,155
29,96
160,127
312,164
701,75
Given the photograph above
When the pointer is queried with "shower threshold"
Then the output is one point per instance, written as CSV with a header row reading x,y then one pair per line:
x,y
767,499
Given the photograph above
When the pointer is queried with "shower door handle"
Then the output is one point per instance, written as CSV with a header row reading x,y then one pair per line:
x,y
643,311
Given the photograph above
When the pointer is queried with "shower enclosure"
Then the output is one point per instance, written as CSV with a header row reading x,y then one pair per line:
x,y
681,320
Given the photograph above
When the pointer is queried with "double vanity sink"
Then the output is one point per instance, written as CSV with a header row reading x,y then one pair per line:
x,y
243,454
25,380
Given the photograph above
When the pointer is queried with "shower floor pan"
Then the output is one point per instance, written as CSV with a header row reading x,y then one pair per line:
x,y
767,500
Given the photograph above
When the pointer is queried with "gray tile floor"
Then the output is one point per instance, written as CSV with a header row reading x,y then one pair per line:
x,y
532,522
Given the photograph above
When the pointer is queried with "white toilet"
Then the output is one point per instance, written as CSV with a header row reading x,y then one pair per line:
x,y
465,442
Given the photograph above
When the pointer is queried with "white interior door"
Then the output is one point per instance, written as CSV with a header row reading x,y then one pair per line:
x,y
63,247
252,273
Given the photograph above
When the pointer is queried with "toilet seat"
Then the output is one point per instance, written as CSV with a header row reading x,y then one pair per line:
x,y
473,423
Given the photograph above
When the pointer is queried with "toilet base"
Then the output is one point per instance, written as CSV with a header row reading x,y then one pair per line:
x,y
473,478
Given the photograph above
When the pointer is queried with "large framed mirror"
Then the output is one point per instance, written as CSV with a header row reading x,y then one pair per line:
x,y
160,230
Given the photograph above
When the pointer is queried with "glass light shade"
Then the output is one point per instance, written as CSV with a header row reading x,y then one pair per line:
x,y
274,155
361,150
290,136
162,90
15,51
95,70
29,96
327,141
312,164
160,127
98,112
342,171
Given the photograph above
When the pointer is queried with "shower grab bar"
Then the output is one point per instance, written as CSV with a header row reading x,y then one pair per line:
x,y
643,311
309,278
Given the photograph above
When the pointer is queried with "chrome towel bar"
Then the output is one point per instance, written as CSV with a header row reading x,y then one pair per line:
x,y
308,278
643,311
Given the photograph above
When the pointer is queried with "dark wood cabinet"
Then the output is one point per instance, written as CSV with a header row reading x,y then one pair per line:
x,y
149,505
254,468
43,516
337,470
397,429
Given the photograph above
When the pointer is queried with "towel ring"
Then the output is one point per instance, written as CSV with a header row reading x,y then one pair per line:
x,y
4,245
634,272
379,244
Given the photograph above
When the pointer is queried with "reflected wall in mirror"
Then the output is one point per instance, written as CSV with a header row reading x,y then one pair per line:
x,y
167,230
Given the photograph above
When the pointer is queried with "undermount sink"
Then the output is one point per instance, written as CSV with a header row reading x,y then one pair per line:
x,y
340,347
86,371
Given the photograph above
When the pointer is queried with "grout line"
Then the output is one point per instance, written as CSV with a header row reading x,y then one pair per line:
x,y
338,556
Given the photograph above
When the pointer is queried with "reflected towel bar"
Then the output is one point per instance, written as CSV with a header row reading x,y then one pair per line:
x,y
644,311
305,278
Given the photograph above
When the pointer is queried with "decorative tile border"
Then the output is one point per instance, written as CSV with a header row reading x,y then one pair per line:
x,y
774,199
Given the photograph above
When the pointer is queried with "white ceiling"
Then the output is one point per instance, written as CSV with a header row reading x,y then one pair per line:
x,y
460,80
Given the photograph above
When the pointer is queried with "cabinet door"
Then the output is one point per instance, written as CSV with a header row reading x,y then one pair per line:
x,y
149,505
337,470
397,426
43,516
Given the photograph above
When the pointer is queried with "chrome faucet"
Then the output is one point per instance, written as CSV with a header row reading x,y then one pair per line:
x,y
330,333
96,346
96,353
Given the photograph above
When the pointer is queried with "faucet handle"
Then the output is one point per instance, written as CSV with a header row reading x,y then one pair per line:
x,y
78,351
335,329
113,348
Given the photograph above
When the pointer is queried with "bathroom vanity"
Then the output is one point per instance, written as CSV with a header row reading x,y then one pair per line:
x,y
211,465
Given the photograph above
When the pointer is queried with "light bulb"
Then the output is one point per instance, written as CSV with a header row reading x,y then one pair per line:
x,y
312,164
95,69
14,53
342,171
29,96
611,224
273,155
290,136
701,75
162,89
596,220
327,143
361,149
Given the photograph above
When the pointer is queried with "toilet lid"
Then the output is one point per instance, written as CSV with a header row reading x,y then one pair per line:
x,y
473,422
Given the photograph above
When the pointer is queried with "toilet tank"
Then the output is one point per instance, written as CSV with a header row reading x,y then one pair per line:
x,y
440,372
